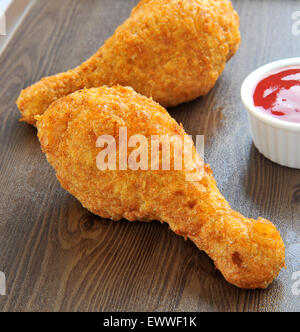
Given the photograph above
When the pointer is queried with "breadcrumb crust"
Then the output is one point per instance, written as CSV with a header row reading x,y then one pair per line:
x,y
249,253
171,50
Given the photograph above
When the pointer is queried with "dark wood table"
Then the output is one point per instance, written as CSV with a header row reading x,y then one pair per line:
x,y
58,256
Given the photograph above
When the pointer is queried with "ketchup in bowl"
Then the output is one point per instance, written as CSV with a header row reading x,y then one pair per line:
x,y
278,94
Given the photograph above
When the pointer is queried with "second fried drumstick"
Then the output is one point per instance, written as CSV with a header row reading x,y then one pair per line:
x,y
170,50
249,253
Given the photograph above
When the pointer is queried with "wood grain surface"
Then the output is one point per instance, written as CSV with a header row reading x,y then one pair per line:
x,y
59,257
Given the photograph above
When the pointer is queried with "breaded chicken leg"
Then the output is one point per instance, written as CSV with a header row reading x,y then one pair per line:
x,y
170,50
249,253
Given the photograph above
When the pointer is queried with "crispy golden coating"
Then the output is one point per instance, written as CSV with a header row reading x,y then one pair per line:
x,y
249,253
171,50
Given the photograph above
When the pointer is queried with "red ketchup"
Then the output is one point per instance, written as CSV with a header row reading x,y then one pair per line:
x,y
279,94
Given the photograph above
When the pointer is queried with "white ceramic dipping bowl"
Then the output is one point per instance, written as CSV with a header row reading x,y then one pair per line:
x,y
276,139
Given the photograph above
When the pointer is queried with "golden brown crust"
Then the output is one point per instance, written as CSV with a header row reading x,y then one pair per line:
x,y
171,50
249,253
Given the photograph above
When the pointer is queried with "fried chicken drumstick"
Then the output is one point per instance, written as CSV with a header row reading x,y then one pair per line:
x,y
249,253
170,50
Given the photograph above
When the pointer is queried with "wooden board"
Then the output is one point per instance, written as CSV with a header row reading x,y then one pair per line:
x,y
58,256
